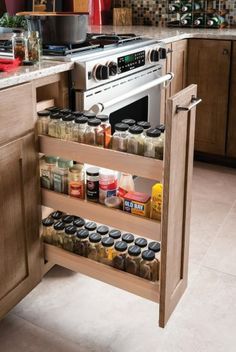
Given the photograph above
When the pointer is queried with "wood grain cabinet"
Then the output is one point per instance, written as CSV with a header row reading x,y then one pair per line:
x,y
231,133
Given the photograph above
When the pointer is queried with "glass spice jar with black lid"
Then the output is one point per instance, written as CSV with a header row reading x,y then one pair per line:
x,y
58,234
103,230
129,122
141,242
128,238
94,134
69,238
94,248
115,234
153,145
89,114
66,127
81,244
107,251
119,255
65,111
120,137
57,215
68,219
77,113
90,226
78,222
48,229
149,266
135,140
43,121
106,127
54,125
132,260
145,125
79,128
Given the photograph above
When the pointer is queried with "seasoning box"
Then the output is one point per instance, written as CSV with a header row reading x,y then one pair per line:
x,y
137,203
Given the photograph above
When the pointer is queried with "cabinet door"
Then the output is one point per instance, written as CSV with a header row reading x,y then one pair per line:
x,y
179,66
231,140
209,68
19,234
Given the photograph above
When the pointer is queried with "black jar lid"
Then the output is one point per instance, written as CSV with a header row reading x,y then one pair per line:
x,y
89,114
56,215
129,122
94,122
91,226
92,171
103,230
148,255
154,246
53,109
134,250
121,246
59,225
103,118
70,229
42,113
67,219
83,234
128,237
68,117
141,242
78,113
144,124
135,130
154,132
95,238
107,242
47,222
115,234
162,128
81,120
55,116
79,222
122,127
65,111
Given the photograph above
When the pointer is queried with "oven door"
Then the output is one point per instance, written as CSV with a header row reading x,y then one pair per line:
x,y
135,97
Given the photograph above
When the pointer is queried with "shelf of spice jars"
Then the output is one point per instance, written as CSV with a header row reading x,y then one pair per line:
x,y
115,218
111,159
123,280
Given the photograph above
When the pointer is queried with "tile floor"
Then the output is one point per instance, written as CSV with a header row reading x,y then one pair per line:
x,y
69,312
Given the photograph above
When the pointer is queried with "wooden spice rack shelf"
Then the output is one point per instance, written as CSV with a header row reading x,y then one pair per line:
x,y
104,273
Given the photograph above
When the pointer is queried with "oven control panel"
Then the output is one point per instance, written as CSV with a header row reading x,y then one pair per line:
x,y
131,61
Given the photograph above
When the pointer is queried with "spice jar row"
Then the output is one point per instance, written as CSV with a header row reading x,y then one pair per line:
x,y
26,46
108,246
105,186
88,128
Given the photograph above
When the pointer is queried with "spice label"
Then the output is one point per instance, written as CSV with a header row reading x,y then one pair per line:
x,y
45,179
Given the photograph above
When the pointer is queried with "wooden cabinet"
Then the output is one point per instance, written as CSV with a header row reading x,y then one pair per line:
x,y
179,66
231,133
209,68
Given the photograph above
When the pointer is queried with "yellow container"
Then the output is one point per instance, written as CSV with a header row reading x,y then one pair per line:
x,y
156,202
137,203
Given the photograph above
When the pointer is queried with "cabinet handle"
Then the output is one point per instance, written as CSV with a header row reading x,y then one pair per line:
x,y
194,102
225,52
169,51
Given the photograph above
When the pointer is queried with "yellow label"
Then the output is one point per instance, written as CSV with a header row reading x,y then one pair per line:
x,y
156,202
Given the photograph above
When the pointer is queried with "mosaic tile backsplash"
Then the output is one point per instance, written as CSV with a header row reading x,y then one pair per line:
x,y
153,12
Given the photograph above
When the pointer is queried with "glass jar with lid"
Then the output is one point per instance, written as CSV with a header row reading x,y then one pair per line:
x,y
43,121
149,266
89,114
153,145
79,222
145,125
119,255
47,170
91,226
82,243
120,137
79,128
69,238
65,111
66,127
34,46
107,251
54,125
58,234
92,132
106,127
68,219
135,140
57,215
128,238
103,230
162,128
141,242
156,248
132,260
19,45
48,229
115,234
95,246
76,181
60,175
77,114
92,184
129,122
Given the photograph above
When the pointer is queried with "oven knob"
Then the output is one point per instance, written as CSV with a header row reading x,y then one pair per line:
x,y
101,72
113,68
162,53
153,55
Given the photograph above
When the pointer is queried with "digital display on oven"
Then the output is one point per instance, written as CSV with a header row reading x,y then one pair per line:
x,y
129,58
131,61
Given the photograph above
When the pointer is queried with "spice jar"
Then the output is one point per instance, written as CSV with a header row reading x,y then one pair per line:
x,y
162,128
94,248
107,251
156,248
149,266
153,145
90,226
65,111
81,244
53,109
77,114
47,229
106,127
46,172
66,127
68,219
92,184
129,122
115,234
60,176
56,215
141,242
135,140
108,184
54,125
119,255
79,128
132,260
145,125
120,137
94,133
89,114
34,46
76,181
69,238
19,45
43,121
58,234
128,238
79,222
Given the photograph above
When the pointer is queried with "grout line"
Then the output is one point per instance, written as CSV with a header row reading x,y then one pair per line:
x,y
219,271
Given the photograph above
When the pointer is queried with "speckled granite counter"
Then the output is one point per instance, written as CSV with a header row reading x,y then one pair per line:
x,y
28,73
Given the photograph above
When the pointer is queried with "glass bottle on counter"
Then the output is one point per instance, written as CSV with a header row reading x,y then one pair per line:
x,y
66,127
119,255
120,137
79,128
94,133
19,45
129,122
132,260
54,125
48,229
149,266
106,126
115,234
60,176
34,46
58,234
92,184
153,144
69,238
47,170
141,242
43,121
128,238
107,251
94,248
76,181
81,244
135,140
103,230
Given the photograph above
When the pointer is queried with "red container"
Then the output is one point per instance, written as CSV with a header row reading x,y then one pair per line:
x,y
14,6
95,12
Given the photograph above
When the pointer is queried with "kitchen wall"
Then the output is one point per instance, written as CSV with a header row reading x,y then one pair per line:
x,y
152,12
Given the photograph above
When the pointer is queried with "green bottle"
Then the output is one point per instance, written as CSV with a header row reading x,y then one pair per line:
x,y
186,20
188,7
175,7
215,21
199,21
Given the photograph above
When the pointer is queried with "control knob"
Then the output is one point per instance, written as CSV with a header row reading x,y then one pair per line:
x,y
101,72
153,55
162,53
113,68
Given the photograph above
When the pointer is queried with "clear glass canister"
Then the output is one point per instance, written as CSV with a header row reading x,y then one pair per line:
x,y
58,234
54,125
34,46
162,128
120,137
66,127
48,229
107,251
19,45
129,122
149,266
82,243
69,238
132,260
135,140
47,170
76,181
145,125
106,127
43,121
79,128
119,255
94,133
60,176
156,248
153,145
94,246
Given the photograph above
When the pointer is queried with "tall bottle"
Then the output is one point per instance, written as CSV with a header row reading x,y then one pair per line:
x,y
186,20
215,21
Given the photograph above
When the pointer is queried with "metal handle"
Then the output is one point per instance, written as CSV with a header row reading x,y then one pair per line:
x,y
194,102
99,107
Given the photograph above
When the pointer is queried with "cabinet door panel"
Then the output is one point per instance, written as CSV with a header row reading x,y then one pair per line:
x,y
231,140
179,66
209,68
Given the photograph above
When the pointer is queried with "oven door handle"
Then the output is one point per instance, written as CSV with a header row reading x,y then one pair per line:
x,y
99,107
